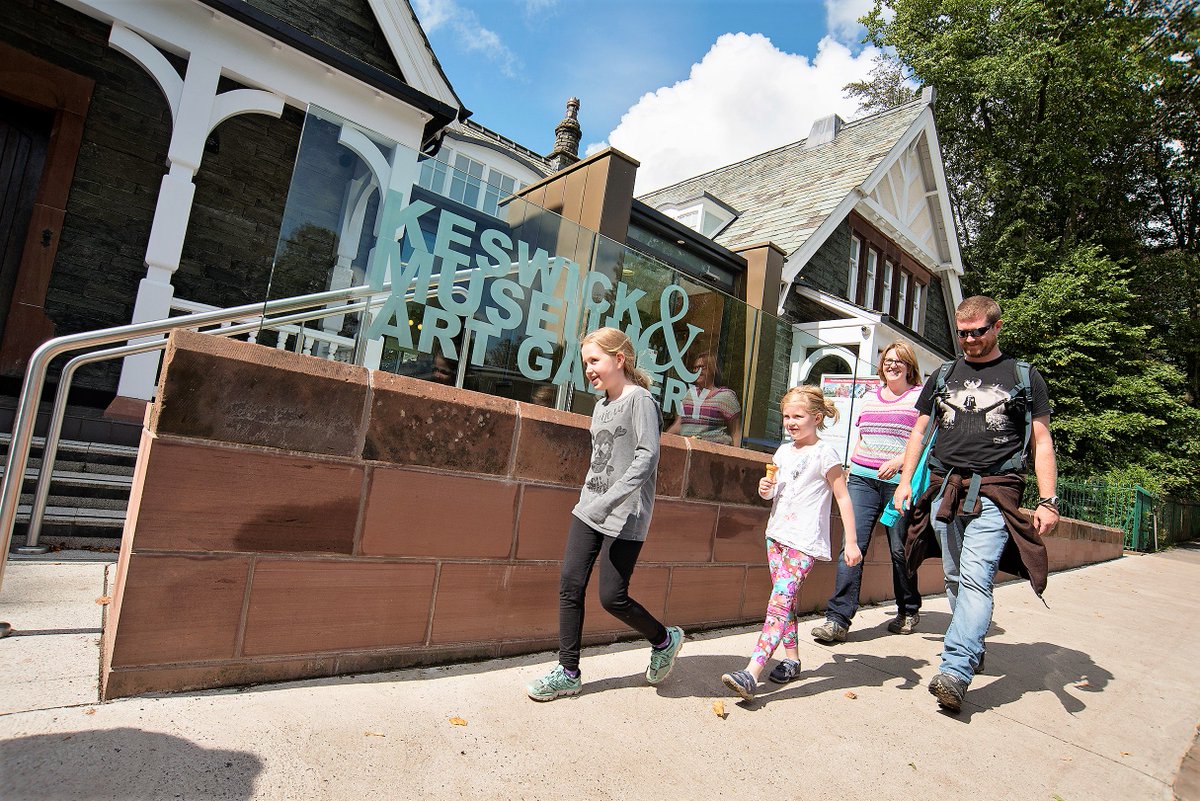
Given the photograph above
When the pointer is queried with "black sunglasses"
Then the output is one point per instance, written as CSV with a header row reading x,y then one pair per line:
x,y
974,332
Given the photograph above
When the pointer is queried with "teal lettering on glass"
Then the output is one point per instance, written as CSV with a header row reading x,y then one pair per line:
x,y
547,298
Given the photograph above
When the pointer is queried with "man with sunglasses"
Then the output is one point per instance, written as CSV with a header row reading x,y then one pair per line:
x,y
991,413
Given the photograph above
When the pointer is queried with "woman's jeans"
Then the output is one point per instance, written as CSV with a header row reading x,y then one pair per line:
x,y
868,496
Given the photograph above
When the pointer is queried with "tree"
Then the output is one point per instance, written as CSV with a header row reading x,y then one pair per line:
x,y
1070,134
887,87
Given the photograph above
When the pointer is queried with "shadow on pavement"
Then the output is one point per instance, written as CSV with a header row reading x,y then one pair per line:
x,y
1020,668
122,764
700,677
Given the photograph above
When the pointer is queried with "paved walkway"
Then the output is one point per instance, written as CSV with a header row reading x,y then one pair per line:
x,y
1093,698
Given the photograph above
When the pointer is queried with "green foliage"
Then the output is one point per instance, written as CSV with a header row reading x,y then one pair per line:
x,y
887,87
1117,407
1070,130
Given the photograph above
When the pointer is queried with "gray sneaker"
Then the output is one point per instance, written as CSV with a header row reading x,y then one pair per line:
x,y
904,624
949,690
663,659
830,631
785,671
554,684
742,683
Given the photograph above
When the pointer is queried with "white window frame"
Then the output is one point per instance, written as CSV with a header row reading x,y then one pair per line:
x,y
498,185
902,306
471,182
852,284
918,321
888,269
872,272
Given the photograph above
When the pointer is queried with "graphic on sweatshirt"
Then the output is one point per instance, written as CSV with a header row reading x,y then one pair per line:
x,y
602,451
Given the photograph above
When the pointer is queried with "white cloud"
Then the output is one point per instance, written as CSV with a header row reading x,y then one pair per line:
x,y
744,97
471,33
841,19
538,6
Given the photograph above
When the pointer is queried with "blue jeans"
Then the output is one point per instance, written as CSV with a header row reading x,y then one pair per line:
x,y
868,496
971,548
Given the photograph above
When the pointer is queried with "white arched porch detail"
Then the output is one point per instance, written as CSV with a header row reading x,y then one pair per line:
x,y
395,177
196,109
800,370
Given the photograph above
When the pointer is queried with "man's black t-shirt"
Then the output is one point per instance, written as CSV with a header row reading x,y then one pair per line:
x,y
979,427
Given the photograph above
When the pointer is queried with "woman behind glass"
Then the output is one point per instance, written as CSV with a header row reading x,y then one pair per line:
x,y
710,411
884,422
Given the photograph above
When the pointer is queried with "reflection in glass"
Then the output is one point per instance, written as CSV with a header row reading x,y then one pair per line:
x,y
492,293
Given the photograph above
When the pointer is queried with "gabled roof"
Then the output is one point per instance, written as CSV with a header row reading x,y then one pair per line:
x,y
472,131
785,194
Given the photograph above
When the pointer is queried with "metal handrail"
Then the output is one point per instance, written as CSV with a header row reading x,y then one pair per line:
x,y
39,362
41,492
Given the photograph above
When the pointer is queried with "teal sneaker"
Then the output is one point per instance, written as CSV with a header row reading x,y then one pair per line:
x,y
663,659
554,684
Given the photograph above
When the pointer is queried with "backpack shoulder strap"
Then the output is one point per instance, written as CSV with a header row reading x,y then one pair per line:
x,y
939,387
1024,390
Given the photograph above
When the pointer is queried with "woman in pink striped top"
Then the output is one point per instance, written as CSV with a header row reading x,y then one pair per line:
x,y
884,422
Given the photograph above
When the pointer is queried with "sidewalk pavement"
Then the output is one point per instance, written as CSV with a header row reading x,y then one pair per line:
x,y
1093,698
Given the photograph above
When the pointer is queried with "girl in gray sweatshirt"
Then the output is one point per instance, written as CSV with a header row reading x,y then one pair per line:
x,y
610,521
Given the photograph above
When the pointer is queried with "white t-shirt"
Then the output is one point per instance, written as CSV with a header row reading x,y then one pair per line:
x,y
800,513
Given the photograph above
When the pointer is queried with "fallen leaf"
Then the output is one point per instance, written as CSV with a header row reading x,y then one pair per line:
x,y
719,709
103,599
850,695
911,765
89,711
373,734
457,721
1082,684
1124,753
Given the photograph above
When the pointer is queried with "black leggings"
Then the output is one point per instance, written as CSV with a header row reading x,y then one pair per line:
x,y
617,560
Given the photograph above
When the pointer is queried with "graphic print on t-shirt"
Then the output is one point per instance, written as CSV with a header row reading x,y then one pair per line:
x,y
602,451
972,409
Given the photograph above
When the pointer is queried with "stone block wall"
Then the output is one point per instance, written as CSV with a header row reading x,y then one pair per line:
x,y
294,518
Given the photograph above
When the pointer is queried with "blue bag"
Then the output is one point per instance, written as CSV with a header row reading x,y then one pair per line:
x,y
919,482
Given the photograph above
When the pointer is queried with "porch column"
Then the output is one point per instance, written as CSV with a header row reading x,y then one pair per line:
x,y
196,109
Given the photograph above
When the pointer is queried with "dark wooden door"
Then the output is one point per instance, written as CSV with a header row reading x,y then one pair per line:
x,y
24,137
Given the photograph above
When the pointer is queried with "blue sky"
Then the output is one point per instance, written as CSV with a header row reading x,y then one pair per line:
x,y
681,85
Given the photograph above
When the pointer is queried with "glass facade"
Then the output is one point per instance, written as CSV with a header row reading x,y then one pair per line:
x,y
495,296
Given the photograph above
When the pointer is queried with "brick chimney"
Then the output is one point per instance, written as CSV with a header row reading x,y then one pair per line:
x,y
567,135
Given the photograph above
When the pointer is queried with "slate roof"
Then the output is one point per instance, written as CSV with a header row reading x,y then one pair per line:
x,y
469,129
785,194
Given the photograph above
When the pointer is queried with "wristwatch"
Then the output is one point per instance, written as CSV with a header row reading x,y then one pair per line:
x,y
1052,502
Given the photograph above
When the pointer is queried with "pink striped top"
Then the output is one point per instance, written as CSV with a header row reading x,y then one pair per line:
x,y
883,428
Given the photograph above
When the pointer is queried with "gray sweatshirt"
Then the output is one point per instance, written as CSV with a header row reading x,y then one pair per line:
x,y
618,496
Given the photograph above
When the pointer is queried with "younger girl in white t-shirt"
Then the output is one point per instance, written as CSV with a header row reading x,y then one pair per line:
x,y
809,475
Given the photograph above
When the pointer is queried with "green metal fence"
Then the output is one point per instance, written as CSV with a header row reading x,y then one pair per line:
x,y
1150,523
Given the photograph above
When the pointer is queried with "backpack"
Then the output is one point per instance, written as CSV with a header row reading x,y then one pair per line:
x,y
1021,392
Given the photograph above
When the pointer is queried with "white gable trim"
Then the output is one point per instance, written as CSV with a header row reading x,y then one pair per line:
x,y
253,58
922,125
411,50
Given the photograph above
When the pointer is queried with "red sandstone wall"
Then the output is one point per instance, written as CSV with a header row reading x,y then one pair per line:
x,y
293,517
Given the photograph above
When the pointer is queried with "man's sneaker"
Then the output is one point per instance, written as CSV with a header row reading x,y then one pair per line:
x,y
663,659
785,671
830,631
742,683
949,690
904,624
554,684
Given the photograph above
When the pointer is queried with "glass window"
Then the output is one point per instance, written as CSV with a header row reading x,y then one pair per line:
x,y
690,218
869,289
902,306
885,305
917,323
852,284
433,175
499,186
464,184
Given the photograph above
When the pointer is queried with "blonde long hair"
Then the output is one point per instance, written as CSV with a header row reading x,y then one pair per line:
x,y
814,401
613,341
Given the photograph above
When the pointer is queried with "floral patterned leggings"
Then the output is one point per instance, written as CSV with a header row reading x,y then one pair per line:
x,y
789,568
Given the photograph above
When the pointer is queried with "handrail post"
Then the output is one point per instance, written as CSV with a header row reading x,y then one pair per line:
x,y
35,378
